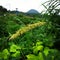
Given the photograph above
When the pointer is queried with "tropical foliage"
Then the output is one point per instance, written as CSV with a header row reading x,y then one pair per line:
x,y
30,37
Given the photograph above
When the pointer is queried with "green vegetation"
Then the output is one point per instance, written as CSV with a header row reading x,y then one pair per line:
x,y
30,37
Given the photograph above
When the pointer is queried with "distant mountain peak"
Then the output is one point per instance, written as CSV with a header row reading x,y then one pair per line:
x,y
33,11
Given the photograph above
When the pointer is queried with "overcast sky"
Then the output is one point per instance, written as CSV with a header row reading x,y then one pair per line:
x,y
23,5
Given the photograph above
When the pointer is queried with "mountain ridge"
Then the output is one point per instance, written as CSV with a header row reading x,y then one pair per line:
x,y
33,11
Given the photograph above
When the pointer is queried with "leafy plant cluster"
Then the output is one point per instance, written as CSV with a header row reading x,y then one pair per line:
x,y
13,51
43,53
34,44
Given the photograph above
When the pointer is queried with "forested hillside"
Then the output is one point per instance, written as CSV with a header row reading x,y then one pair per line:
x,y
30,36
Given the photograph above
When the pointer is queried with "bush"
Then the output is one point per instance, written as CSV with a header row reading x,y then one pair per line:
x,y
3,27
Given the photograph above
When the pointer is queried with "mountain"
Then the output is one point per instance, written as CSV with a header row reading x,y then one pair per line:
x,y
33,11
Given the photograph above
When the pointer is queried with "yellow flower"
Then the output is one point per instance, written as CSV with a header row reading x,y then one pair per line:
x,y
25,29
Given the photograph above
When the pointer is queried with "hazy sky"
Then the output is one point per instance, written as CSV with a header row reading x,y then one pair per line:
x,y
23,5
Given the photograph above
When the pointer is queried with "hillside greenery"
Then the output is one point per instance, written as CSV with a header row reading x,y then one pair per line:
x,y
30,36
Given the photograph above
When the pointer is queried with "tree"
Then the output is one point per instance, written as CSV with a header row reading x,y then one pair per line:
x,y
52,6
3,22
2,10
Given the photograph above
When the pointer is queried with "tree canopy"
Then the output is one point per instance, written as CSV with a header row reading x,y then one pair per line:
x,y
2,10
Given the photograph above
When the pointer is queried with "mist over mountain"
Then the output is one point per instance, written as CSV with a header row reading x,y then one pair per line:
x,y
33,11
